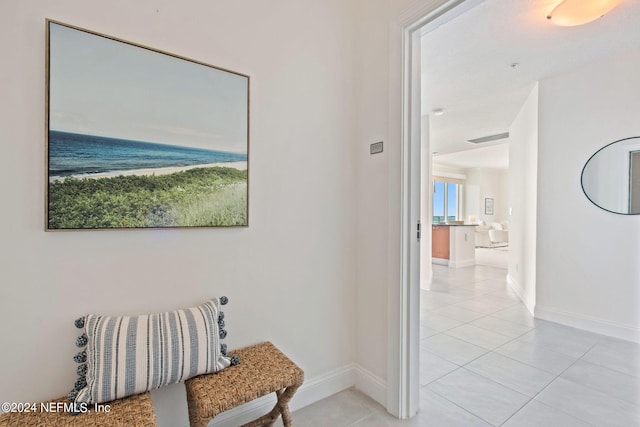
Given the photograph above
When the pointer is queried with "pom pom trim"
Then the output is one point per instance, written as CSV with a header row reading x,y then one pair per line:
x,y
79,322
81,357
235,360
82,340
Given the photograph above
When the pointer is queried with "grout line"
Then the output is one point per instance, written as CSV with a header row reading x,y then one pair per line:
x,y
531,328
458,405
361,419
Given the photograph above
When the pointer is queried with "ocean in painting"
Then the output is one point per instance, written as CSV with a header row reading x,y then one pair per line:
x,y
77,154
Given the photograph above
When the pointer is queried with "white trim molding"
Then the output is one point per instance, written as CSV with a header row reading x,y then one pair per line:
x,y
462,263
453,264
371,385
588,323
525,297
403,388
310,392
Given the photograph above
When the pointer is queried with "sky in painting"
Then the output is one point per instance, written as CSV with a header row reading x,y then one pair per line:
x,y
103,87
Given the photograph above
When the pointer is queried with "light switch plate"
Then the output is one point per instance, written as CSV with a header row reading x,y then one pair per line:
x,y
376,148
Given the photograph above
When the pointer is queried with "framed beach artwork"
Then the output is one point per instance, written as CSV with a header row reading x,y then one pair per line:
x,y
488,206
138,138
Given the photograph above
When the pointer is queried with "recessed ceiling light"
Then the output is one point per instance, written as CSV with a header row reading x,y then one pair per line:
x,y
438,112
569,13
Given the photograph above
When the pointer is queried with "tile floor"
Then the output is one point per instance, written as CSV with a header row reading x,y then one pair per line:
x,y
486,362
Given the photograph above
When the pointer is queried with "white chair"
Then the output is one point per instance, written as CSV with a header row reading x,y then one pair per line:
x,y
498,237
491,235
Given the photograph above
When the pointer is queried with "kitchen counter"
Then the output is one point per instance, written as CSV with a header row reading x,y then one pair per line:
x,y
453,245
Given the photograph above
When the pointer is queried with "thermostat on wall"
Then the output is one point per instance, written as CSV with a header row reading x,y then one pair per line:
x,y
376,148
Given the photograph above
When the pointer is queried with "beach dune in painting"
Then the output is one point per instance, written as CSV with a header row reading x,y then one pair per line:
x,y
101,182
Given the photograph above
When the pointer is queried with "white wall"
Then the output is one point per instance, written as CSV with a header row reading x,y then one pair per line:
x,y
485,183
587,272
472,204
290,276
461,246
446,170
378,201
523,177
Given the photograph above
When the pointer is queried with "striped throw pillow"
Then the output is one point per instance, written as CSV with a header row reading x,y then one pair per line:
x,y
128,355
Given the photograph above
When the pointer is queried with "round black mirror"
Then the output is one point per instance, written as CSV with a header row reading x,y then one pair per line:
x,y
611,177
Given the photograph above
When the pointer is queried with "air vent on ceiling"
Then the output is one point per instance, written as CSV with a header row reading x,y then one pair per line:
x,y
489,138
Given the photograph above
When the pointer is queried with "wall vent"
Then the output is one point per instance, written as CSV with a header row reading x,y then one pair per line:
x,y
489,138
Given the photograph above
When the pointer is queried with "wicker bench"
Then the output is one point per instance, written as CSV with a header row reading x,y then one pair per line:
x,y
263,369
134,411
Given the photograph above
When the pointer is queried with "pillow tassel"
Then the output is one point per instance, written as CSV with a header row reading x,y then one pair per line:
x,y
80,383
79,322
223,334
224,300
81,357
235,360
72,398
82,340
223,349
82,370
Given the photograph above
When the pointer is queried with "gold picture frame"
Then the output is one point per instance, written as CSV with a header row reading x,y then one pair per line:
x,y
138,138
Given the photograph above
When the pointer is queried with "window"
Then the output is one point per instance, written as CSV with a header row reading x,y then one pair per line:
x,y
446,200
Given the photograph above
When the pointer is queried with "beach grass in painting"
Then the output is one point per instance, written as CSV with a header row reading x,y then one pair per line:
x,y
198,197
141,139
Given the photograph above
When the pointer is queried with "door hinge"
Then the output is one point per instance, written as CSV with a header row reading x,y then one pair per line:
x,y
418,231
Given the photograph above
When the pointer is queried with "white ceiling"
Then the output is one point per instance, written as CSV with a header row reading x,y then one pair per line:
x,y
491,156
466,66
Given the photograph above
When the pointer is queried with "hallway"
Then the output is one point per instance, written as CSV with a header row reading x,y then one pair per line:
x,y
483,352
486,362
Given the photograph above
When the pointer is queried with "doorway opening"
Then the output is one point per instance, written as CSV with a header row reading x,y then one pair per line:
x,y
469,195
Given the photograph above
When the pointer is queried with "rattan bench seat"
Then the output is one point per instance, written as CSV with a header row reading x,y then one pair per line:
x,y
263,369
134,411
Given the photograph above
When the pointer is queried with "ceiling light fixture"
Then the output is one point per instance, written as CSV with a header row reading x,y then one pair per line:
x,y
570,13
438,112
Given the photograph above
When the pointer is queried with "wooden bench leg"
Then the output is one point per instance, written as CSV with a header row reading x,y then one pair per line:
x,y
281,408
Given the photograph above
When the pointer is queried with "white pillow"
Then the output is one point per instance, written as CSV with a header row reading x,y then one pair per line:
x,y
496,226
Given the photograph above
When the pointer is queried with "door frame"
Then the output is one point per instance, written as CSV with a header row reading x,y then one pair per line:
x,y
403,370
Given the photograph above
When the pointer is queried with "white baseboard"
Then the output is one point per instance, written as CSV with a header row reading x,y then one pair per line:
x,y
311,391
591,324
462,263
453,264
522,294
371,385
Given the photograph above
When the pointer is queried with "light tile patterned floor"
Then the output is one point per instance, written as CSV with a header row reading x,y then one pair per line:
x,y
486,362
